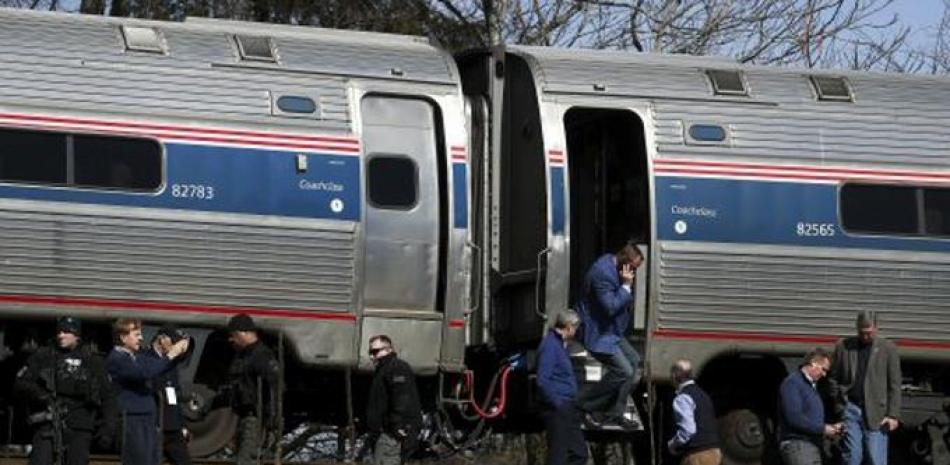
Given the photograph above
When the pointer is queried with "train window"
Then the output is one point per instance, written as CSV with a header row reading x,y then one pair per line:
x,y
32,156
707,133
937,211
879,209
79,160
392,181
117,163
295,104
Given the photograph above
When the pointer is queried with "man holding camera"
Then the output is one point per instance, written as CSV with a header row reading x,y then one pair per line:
x,y
168,388
133,372
65,385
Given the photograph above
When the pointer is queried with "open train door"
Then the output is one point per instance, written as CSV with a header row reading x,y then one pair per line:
x,y
609,194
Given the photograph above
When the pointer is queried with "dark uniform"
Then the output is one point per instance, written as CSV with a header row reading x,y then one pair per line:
x,y
133,375
253,381
73,382
393,413
168,389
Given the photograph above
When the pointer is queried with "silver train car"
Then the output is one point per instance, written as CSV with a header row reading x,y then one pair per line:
x,y
339,184
187,172
774,204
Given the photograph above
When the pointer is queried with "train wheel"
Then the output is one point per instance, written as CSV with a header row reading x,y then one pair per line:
x,y
211,427
213,433
743,437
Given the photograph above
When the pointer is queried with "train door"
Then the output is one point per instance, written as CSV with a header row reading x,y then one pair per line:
x,y
609,201
404,227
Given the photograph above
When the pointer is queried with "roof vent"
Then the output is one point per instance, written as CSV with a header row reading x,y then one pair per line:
x,y
142,39
727,82
832,88
256,48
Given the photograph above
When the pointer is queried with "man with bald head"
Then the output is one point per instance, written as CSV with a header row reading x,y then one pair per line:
x,y
696,438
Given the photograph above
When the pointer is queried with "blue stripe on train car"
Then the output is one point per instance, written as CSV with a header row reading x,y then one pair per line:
x,y
460,192
235,180
764,212
557,200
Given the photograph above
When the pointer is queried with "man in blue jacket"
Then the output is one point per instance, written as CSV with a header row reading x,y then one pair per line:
x,y
133,371
802,414
558,387
605,310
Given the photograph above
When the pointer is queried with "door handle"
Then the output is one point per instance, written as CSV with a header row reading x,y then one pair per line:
x,y
476,278
537,284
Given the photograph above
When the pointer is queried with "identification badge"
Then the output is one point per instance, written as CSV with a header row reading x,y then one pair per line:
x,y
592,373
170,396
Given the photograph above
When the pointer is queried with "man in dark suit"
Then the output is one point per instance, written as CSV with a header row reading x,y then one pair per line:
x,y
133,372
866,386
168,389
605,311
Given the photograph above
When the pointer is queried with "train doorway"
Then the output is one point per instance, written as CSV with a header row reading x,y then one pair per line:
x,y
609,190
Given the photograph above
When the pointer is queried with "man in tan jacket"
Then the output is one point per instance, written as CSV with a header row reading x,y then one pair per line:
x,y
866,386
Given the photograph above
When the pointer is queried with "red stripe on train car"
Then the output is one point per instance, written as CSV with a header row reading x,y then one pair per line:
x,y
739,336
765,337
670,163
456,324
173,307
200,130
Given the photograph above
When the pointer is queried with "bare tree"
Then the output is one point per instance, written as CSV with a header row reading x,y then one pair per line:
x,y
812,33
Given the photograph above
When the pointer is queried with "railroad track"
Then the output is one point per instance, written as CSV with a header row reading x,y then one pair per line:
x,y
114,460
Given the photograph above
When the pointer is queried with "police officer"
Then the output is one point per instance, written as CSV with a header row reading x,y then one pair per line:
x,y
168,388
253,384
393,413
65,386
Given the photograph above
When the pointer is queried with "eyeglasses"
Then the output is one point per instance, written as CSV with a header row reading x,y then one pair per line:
x,y
375,350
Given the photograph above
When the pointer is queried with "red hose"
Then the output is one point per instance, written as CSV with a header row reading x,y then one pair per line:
x,y
502,400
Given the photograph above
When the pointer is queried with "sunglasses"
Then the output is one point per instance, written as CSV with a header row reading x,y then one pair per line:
x,y
374,351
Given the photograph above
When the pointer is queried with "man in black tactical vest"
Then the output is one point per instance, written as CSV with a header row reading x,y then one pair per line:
x,y
696,438
393,411
66,388
253,387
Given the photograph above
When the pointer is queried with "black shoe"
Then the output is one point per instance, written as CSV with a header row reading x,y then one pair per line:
x,y
631,424
589,422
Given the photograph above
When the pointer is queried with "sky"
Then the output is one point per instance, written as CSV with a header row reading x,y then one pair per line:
x,y
921,15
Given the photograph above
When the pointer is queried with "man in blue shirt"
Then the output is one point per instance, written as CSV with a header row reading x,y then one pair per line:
x,y
802,414
605,311
558,387
696,438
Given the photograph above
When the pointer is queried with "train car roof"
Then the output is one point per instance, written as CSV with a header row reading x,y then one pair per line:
x,y
200,66
685,77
